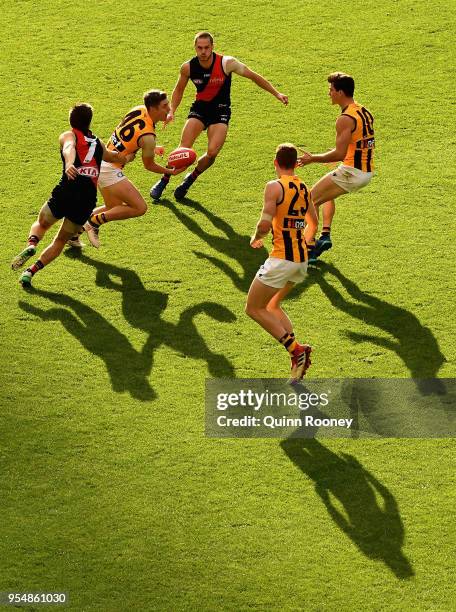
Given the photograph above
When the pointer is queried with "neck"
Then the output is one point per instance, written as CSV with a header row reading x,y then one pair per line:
x,y
345,103
285,172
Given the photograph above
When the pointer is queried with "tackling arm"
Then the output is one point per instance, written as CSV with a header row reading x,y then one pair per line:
x,y
272,194
115,157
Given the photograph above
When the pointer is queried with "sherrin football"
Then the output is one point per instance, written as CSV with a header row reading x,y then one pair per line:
x,y
181,157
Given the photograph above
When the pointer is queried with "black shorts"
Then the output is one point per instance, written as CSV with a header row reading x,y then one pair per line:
x,y
209,113
73,201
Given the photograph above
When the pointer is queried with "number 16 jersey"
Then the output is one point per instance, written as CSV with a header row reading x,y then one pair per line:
x,y
125,138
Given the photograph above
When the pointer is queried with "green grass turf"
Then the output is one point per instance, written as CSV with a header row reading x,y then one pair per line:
x,y
109,489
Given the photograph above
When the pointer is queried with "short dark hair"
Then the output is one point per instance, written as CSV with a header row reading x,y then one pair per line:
x,y
203,35
287,155
154,97
81,116
342,82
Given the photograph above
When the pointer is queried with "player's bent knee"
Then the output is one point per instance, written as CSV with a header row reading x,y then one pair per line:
x,y
138,209
141,210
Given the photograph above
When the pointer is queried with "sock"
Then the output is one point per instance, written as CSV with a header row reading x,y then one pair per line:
x,y
289,341
33,240
194,175
326,230
97,220
165,178
38,265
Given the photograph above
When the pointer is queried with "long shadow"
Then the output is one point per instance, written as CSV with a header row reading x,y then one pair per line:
x,y
370,515
143,308
231,244
128,368
414,343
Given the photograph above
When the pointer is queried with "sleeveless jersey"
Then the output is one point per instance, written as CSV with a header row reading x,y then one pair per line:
x,y
288,222
360,152
125,138
212,84
89,154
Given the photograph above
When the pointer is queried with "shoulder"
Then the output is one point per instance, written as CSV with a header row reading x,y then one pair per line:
x,y
345,121
68,136
185,67
274,188
231,64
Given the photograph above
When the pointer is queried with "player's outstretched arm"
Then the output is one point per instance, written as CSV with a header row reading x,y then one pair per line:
x,y
272,194
147,144
178,91
67,141
344,126
234,65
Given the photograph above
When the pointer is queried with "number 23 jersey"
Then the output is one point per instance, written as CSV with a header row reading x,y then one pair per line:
x,y
288,223
136,124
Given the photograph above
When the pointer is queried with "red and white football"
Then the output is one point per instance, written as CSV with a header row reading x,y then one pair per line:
x,y
181,157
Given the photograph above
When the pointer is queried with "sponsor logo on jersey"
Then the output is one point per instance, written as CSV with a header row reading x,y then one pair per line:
x,y
89,171
296,223
216,80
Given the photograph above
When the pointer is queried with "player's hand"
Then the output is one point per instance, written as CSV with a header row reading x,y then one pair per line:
x,y
283,98
175,171
160,151
169,118
304,159
256,243
71,172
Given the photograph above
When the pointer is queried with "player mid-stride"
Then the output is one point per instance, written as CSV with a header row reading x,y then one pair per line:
x,y
211,111
287,210
74,198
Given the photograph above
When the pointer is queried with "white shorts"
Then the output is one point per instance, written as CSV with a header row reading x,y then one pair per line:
x,y
109,175
276,272
350,179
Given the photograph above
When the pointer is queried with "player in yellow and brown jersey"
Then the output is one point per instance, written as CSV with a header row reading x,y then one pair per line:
x,y
289,212
135,131
354,148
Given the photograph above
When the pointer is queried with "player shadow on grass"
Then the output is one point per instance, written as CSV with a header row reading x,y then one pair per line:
x,y
414,343
231,244
129,369
359,504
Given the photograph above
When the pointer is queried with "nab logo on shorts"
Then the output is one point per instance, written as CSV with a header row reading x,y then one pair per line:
x,y
89,171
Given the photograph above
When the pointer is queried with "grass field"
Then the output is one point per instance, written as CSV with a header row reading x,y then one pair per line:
x,y
109,489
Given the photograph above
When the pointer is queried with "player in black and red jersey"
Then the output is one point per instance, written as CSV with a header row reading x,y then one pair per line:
x,y
211,75
74,198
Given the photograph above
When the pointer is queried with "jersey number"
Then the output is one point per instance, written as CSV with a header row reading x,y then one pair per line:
x,y
291,209
91,151
128,125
